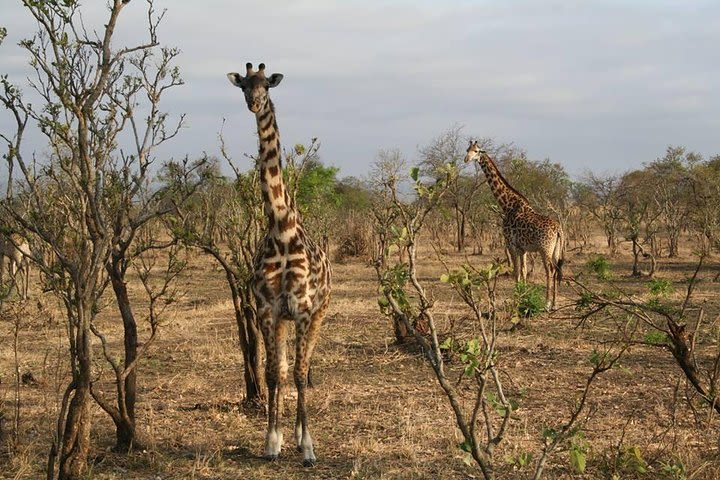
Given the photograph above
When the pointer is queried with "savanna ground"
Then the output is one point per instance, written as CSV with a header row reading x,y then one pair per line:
x,y
376,410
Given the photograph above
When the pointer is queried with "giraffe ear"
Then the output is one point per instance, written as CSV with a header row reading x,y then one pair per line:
x,y
274,80
235,78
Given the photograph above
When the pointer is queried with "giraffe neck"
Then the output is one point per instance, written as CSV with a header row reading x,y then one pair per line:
x,y
507,197
281,215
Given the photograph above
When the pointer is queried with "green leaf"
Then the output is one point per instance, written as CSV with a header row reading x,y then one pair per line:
x,y
524,459
638,463
447,344
445,278
577,460
415,173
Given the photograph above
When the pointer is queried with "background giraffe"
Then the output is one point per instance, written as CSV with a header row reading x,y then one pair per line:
x,y
292,273
17,251
524,229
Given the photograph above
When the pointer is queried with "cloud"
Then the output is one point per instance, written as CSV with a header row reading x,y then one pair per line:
x,y
563,79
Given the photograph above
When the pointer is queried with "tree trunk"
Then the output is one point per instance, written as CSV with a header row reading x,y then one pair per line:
x,y
673,244
127,396
401,331
382,250
75,442
254,368
76,437
654,246
636,256
653,264
251,343
611,242
460,232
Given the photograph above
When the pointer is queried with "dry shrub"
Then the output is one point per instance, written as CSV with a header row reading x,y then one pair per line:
x,y
354,236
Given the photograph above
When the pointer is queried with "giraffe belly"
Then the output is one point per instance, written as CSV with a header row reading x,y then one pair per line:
x,y
525,236
288,294
292,279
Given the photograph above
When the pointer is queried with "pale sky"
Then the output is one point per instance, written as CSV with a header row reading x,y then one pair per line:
x,y
597,85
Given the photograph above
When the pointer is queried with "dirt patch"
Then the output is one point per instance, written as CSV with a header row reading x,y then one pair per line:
x,y
376,411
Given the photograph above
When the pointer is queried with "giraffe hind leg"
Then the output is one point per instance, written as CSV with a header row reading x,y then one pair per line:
x,y
550,277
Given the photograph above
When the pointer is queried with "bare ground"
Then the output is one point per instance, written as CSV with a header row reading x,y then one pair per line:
x,y
376,410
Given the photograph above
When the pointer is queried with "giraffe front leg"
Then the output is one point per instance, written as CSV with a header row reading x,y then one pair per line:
x,y
517,269
281,330
273,438
307,334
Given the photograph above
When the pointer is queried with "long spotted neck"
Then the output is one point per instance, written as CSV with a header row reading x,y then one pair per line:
x,y
281,215
507,197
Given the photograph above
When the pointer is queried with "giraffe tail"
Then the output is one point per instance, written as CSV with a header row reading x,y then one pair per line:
x,y
285,306
559,254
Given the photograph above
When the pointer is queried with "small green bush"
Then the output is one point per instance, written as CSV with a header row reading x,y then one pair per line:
x,y
600,266
660,286
530,299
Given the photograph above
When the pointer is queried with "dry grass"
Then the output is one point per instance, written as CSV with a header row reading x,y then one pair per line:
x,y
376,411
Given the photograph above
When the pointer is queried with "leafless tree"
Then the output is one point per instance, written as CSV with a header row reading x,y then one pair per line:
x,y
597,196
462,195
85,203
226,221
385,174
638,215
158,283
672,191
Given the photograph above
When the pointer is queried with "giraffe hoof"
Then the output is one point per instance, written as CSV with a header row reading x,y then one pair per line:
x,y
309,462
271,458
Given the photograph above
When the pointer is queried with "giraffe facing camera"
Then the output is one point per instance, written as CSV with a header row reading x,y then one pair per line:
x,y
255,85
291,280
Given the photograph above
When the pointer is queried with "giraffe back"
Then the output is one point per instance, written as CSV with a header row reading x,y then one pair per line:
x,y
529,231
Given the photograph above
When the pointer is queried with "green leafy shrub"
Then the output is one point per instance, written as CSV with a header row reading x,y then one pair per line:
x,y
660,287
656,337
530,299
578,450
600,266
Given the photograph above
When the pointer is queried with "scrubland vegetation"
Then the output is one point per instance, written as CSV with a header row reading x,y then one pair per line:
x,y
137,353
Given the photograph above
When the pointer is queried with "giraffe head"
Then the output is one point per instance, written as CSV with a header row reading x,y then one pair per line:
x,y
255,85
474,151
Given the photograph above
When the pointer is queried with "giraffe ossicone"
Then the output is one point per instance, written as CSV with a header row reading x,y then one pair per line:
x,y
292,274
